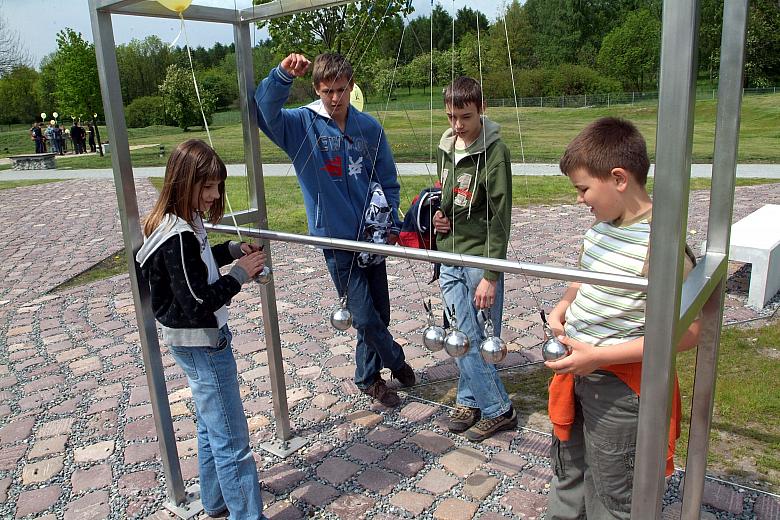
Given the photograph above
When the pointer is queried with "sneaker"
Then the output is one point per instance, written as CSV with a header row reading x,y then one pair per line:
x,y
405,375
379,391
485,428
462,418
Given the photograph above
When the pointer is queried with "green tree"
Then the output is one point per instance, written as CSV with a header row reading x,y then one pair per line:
x,y
180,99
762,57
631,52
515,27
223,86
19,95
466,21
348,29
142,65
77,90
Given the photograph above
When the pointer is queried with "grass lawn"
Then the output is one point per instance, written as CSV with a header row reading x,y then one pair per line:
x,y
545,133
4,185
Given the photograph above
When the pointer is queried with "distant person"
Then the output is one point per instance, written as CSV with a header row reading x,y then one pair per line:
x,y
91,138
51,136
37,135
75,136
64,134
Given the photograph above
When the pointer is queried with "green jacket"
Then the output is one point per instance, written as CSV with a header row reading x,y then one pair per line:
x,y
476,195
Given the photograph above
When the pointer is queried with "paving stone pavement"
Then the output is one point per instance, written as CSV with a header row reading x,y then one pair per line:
x,y
77,439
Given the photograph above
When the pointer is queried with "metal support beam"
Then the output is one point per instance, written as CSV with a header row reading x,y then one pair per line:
x,y
108,71
198,13
278,9
698,288
735,17
667,244
254,164
505,266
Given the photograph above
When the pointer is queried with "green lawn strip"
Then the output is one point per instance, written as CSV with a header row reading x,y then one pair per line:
x,y
745,435
106,268
5,185
543,133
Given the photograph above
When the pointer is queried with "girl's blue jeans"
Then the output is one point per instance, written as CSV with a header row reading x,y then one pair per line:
x,y
479,385
228,475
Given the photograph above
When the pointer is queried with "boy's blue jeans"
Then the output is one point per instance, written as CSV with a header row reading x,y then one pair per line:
x,y
368,299
228,475
479,385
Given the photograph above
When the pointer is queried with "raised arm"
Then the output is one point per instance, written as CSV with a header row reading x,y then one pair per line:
x,y
281,126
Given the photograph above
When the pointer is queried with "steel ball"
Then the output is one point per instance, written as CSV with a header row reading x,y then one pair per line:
x,y
554,349
493,350
456,343
433,338
341,318
264,276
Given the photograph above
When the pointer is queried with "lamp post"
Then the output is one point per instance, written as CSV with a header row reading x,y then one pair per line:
x,y
97,134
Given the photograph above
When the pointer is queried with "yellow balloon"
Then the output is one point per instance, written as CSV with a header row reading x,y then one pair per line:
x,y
176,5
356,98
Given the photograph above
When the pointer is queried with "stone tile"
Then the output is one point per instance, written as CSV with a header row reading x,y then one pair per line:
x,y
405,462
534,444
674,510
365,453
131,484
324,400
92,506
524,503
281,477
54,428
94,452
315,494
364,418
378,480
17,430
36,500
50,446
140,429
317,452
479,485
414,503
463,461
337,471
283,510
351,506
507,463
140,452
95,477
10,455
417,412
4,485
437,482
765,508
455,509
386,435
432,442
41,471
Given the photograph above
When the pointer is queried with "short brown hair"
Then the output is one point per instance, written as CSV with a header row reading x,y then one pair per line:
x,y
463,91
607,143
193,162
330,66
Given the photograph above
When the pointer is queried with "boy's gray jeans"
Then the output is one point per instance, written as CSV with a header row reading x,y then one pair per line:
x,y
593,471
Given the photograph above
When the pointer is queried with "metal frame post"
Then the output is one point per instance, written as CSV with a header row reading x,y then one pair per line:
x,y
108,71
667,244
286,443
735,17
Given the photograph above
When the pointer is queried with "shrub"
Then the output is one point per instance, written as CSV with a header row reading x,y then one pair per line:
x,y
145,111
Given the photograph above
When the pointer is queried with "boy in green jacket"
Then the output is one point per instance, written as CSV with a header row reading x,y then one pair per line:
x,y
474,219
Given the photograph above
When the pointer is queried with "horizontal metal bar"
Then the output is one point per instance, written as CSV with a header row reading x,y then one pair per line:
x,y
198,13
110,5
241,217
698,286
288,7
506,266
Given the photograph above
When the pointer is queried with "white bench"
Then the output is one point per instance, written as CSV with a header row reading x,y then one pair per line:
x,y
755,240
33,161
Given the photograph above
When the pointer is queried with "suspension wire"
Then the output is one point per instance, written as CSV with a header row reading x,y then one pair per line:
x,y
430,145
203,114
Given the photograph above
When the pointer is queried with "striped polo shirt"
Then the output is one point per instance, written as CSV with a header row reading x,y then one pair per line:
x,y
602,315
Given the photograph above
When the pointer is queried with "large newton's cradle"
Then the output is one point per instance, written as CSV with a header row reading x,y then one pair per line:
x,y
671,304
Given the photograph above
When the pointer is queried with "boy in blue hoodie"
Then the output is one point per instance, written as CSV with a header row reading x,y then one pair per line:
x,y
350,189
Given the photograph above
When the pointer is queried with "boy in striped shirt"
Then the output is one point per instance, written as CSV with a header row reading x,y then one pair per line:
x,y
594,396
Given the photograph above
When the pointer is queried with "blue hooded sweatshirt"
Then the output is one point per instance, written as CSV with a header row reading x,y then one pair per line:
x,y
334,169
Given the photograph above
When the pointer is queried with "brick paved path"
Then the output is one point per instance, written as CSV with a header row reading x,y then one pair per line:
x,y
76,432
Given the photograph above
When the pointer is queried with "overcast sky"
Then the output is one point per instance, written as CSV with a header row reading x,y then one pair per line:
x,y
38,21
